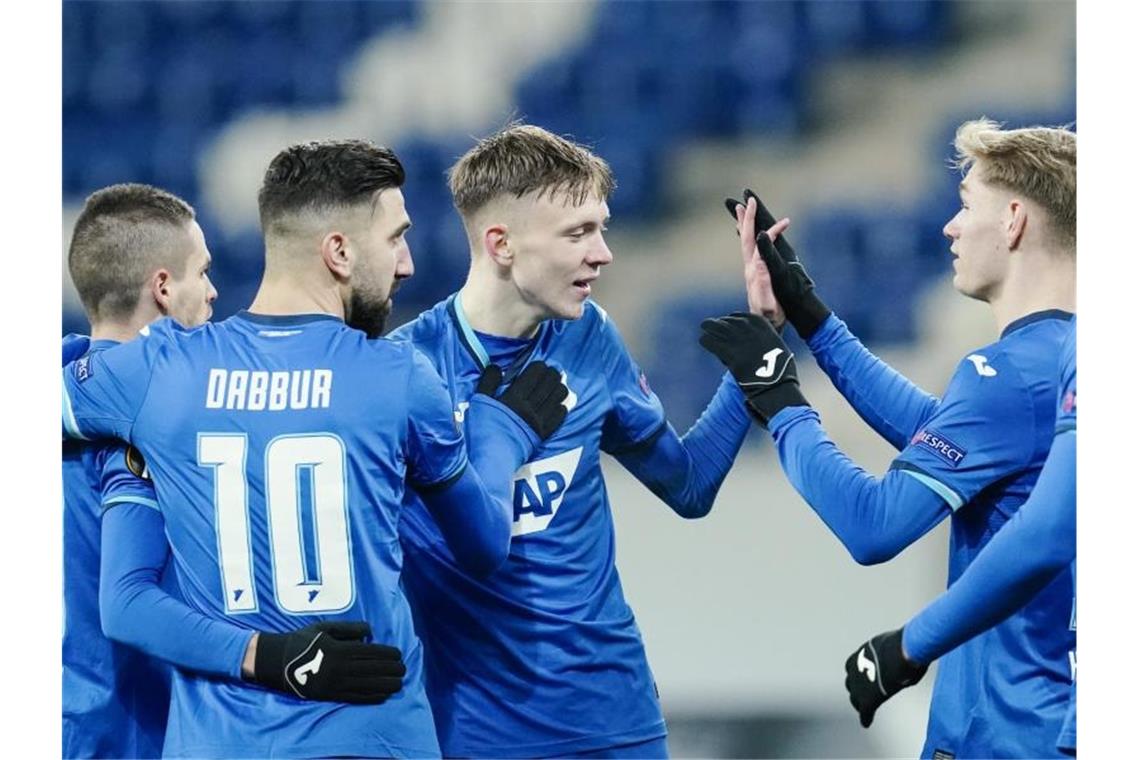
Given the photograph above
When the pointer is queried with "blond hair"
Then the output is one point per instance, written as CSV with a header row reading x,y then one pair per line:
x,y
1038,162
521,159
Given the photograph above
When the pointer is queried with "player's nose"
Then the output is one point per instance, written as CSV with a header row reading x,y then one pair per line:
x,y
405,266
950,229
600,255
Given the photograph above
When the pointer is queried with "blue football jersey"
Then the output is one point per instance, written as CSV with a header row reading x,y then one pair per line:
x,y
114,697
1003,693
1067,423
543,657
279,448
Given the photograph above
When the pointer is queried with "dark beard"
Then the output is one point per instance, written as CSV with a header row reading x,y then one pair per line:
x,y
368,315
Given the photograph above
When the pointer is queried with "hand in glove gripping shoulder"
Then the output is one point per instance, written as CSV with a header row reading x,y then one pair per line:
x,y
535,397
758,359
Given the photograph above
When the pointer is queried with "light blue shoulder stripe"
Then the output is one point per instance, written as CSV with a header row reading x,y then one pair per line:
x,y
951,498
469,334
131,500
69,422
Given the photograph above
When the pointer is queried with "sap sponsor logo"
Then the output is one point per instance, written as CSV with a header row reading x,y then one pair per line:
x,y
539,487
261,390
981,365
940,445
83,369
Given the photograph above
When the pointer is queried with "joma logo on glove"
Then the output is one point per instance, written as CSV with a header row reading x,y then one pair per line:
x,y
313,666
769,365
866,667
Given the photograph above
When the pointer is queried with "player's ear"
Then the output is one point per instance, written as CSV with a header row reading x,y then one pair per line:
x,y
336,255
159,287
1015,226
496,244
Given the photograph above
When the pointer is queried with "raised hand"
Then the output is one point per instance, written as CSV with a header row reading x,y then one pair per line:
x,y
793,289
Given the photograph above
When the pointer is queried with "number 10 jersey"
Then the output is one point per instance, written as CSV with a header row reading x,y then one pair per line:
x,y
279,448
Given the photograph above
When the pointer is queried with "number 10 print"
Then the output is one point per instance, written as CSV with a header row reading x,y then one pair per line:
x,y
305,495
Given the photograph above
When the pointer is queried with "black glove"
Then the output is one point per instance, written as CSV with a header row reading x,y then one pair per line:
x,y
536,395
793,288
876,671
759,360
329,662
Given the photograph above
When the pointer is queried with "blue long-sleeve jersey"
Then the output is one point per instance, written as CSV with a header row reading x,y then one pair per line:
x,y
974,455
135,606
279,448
544,657
1037,543
114,697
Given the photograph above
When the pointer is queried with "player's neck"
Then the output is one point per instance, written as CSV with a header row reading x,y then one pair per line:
x,y
120,332
277,297
494,307
1041,289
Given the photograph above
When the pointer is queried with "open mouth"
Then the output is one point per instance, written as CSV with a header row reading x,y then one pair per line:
x,y
583,286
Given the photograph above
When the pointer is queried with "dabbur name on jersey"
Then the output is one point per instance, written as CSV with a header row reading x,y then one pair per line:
x,y
280,490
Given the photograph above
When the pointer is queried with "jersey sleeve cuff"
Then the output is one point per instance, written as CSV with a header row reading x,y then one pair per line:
x,y
832,328
790,415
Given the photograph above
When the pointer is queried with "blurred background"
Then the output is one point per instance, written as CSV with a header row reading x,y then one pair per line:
x,y
839,113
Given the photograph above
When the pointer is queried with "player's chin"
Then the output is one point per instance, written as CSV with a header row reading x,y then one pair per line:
x,y
968,289
572,309
959,282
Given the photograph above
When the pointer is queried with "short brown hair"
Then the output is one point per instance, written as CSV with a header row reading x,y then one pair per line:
x,y
521,159
1039,162
324,175
123,234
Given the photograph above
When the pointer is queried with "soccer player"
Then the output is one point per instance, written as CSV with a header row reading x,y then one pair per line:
x,y
1037,543
972,455
137,253
279,441
544,658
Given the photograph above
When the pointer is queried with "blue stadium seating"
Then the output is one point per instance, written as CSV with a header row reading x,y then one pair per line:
x,y
147,85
